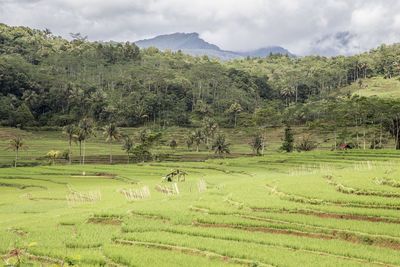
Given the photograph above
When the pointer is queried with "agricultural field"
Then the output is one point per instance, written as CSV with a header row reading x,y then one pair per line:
x,y
376,86
97,149
320,208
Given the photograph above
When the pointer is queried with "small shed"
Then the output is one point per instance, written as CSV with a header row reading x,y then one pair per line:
x,y
344,146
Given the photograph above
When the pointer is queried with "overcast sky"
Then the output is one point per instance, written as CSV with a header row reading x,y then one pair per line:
x,y
302,26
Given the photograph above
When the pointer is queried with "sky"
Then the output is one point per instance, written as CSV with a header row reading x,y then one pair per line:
x,y
326,27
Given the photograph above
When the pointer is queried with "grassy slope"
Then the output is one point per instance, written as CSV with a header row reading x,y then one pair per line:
x,y
377,86
97,150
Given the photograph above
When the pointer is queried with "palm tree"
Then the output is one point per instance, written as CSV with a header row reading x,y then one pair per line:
x,y
80,137
220,146
235,109
198,137
209,128
189,140
16,144
86,127
128,145
70,131
112,133
287,92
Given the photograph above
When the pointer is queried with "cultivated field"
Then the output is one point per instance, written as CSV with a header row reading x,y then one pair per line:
x,y
377,86
319,208
97,149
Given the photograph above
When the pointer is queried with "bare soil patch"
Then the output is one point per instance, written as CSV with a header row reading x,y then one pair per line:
x,y
105,220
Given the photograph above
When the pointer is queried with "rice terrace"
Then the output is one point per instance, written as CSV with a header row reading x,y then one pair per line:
x,y
315,208
199,133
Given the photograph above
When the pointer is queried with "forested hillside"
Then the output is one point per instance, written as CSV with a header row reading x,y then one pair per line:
x,y
48,81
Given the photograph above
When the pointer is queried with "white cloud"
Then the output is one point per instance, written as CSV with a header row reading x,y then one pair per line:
x,y
298,25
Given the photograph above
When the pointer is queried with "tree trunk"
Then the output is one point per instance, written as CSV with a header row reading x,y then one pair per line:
x,y
80,152
128,157
197,147
110,152
357,133
397,136
262,145
396,133
335,140
364,138
84,151
69,152
16,158
235,120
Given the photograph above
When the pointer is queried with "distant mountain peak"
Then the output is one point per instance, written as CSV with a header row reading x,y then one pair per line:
x,y
191,43
177,41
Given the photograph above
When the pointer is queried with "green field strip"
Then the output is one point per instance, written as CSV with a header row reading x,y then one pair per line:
x,y
22,186
329,215
186,250
317,248
332,226
361,192
385,227
32,178
247,251
244,222
138,255
315,201
274,226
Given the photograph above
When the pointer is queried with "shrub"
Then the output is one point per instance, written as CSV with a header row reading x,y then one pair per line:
x,y
306,144
173,144
288,140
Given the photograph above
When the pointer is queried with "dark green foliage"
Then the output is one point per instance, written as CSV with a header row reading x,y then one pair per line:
x,y
173,144
48,81
66,154
143,151
220,145
23,116
288,141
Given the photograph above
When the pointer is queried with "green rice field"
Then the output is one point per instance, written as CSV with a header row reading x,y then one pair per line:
x,y
321,208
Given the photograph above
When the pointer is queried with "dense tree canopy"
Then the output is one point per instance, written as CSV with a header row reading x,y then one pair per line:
x,y
48,81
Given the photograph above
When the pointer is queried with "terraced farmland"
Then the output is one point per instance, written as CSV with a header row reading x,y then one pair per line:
x,y
300,209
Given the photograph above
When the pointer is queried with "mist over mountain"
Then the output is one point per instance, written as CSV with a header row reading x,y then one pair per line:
x,y
337,43
192,44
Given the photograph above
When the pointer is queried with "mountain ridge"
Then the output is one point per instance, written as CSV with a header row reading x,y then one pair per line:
x,y
192,44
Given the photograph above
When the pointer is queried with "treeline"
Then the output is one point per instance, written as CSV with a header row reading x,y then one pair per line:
x,y
48,81
352,122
